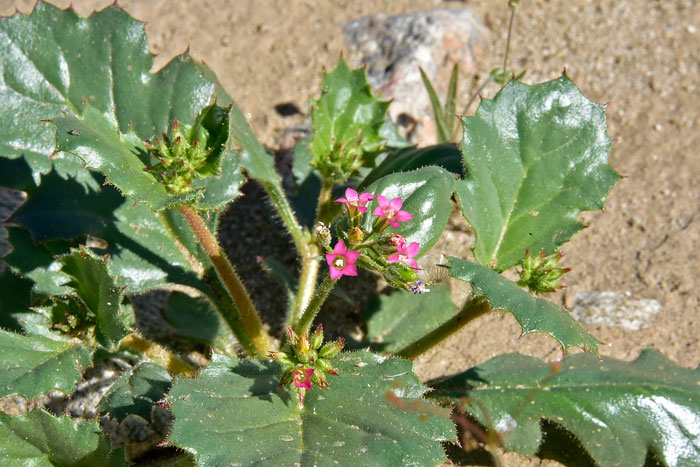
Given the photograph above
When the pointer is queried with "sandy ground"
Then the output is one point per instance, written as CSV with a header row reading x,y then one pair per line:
x,y
640,56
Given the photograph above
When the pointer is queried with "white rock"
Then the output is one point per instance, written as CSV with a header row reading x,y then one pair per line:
x,y
613,309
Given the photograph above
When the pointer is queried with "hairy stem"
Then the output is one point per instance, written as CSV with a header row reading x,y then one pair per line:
x,y
471,310
309,264
281,203
230,280
307,280
157,353
307,318
323,212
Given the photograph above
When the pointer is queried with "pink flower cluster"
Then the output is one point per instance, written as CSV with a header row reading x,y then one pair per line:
x,y
342,261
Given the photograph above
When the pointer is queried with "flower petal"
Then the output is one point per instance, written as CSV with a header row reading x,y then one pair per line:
x,y
393,259
393,223
351,194
335,273
349,270
366,197
330,257
396,204
342,200
412,249
379,212
403,216
340,248
383,202
351,256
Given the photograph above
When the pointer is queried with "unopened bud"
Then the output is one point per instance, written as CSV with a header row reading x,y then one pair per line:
x,y
317,337
302,346
291,336
281,357
356,234
331,349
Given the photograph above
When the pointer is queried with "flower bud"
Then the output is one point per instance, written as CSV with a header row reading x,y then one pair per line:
x,y
356,234
291,336
281,357
302,346
317,337
331,349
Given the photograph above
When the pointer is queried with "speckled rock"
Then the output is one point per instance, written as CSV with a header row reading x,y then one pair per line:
x,y
613,309
394,47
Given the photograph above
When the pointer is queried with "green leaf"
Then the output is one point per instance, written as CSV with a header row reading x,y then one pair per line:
x,y
445,155
443,133
234,413
219,190
40,439
35,365
96,288
426,195
194,319
396,320
54,61
451,103
535,156
617,410
533,314
143,250
95,138
255,160
37,262
136,391
346,122
16,300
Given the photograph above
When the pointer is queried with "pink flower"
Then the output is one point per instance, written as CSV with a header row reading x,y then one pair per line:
x,y
342,261
302,378
355,203
405,255
391,211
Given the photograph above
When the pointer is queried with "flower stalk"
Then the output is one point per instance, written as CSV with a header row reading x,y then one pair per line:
x,y
231,281
472,309
322,292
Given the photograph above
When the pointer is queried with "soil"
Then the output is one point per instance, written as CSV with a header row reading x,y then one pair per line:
x,y
640,56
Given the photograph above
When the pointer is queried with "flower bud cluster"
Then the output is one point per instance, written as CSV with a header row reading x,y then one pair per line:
x,y
308,360
180,156
541,273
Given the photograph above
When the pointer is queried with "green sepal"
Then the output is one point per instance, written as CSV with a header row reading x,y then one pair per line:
x,y
346,122
121,157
